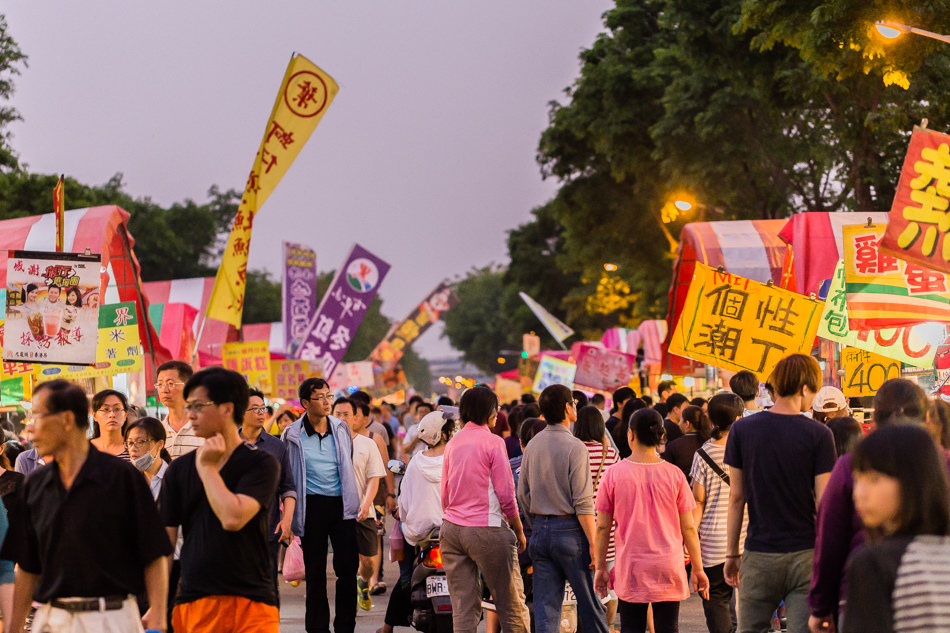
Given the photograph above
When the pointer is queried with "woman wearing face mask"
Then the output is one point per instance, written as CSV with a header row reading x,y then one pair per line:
x,y
109,414
145,442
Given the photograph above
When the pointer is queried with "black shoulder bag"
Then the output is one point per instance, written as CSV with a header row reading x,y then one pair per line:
x,y
712,464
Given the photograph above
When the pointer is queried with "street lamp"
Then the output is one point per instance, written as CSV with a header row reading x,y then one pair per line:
x,y
893,30
610,267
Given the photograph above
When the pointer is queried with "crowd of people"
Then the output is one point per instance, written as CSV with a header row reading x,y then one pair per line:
x,y
786,515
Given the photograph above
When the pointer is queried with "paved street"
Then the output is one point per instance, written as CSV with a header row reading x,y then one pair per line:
x,y
292,608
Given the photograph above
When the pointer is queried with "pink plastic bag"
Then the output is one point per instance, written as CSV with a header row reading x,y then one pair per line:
x,y
395,544
293,562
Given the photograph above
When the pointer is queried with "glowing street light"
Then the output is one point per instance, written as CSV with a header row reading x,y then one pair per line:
x,y
893,30
682,205
610,267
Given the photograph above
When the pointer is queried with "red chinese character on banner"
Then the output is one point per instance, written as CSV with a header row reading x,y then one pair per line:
x,y
260,363
240,246
922,280
253,182
246,364
307,95
267,160
231,363
283,136
239,219
18,265
865,254
34,269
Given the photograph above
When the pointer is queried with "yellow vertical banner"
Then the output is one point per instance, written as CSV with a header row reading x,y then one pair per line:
x,y
305,94
737,323
252,360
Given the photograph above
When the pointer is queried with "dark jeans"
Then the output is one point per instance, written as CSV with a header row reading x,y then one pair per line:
x,y
560,551
633,617
720,616
324,518
399,610
274,546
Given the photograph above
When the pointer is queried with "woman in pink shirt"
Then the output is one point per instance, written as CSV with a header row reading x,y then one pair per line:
x,y
481,530
652,505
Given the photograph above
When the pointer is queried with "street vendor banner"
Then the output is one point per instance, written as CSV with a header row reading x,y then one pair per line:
x,y
304,96
736,323
865,372
919,220
298,293
52,308
603,369
251,360
391,349
286,376
342,308
884,291
557,329
913,344
554,371
118,351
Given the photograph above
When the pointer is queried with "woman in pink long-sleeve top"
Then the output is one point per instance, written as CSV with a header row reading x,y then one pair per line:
x,y
481,529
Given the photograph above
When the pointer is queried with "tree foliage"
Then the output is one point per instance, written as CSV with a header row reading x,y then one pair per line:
x,y
746,108
11,58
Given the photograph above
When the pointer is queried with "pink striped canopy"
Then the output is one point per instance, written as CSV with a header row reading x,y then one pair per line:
x,y
195,292
102,230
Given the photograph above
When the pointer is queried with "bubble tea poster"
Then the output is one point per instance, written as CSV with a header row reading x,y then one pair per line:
x,y
52,311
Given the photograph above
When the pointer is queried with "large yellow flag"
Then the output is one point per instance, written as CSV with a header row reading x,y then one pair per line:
x,y
305,94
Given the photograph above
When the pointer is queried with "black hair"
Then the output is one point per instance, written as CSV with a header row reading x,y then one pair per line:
x,y
428,405
530,428
154,430
308,386
527,398
908,453
360,396
847,432
78,292
29,288
940,421
362,406
698,402
477,405
696,418
648,400
597,399
515,418
632,405
580,399
621,395
647,426
724,409
99,399
185,371
222,385
51,286
676,400
665,385
414,399
531,410
255,392
445,401
590,425
340,401
899,398
12,450
63,396
745,384
553,402
662,408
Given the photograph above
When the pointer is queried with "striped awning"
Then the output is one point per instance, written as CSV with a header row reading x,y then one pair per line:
x,y
748,248
195,293
101,230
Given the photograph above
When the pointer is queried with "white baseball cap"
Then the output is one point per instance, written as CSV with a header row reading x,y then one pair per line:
x,y
829,399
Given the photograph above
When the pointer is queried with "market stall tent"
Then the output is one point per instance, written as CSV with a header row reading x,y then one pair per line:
x,y
748,248
101,230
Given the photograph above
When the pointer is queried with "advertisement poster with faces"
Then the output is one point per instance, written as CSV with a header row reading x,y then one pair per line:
x,y
52,311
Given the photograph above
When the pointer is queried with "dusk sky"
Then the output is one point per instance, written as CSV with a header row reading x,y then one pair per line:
x,y
426,157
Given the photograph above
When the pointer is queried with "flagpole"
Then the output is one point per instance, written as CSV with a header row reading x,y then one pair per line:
x,y
201,330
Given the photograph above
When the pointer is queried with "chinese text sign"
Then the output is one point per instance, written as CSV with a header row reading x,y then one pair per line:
x,y
299,292
251,360
865,372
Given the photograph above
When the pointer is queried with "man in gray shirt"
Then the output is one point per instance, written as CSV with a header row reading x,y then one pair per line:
x,y
555,492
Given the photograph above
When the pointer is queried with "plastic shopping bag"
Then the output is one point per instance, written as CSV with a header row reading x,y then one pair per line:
x,y
293,562
395,544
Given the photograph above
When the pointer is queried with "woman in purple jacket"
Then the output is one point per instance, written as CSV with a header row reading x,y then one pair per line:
x,y
840,531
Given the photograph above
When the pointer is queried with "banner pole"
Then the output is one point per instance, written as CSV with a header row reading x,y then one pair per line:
x,y
194,353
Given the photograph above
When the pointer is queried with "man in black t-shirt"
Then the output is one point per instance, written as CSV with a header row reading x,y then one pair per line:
x,y
87,534
676,403
221,495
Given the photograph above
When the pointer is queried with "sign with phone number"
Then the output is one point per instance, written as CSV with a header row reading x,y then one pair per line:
x,y
865,372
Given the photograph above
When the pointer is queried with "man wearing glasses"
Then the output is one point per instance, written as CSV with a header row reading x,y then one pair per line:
x,y
252,432
87,538
221,496
169,386
328,502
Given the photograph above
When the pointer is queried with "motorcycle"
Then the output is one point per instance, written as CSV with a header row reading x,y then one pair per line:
x,y
429,588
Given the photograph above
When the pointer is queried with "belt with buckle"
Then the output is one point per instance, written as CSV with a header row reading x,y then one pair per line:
x,y
79,605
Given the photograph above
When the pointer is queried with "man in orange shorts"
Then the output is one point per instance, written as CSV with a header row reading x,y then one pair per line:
x,y
221,495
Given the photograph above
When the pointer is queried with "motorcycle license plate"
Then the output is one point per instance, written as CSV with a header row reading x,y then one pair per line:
x,y
569,597
436,586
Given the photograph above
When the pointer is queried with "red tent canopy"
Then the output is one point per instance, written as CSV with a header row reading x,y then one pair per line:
x,y
101,230
748,248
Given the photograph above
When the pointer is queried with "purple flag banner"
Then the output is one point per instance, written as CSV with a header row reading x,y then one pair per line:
x,y
298,293
342,309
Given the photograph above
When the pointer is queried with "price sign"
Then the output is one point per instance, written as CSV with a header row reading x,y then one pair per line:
x,y
865,372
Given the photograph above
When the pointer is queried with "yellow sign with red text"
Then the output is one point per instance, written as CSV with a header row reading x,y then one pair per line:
x,y
251,360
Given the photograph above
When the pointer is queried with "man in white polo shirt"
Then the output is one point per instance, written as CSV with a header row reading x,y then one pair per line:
x,y
170,385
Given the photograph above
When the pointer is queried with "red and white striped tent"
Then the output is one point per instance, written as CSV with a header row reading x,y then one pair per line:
x,y
101,230
194,293
748,248
815,241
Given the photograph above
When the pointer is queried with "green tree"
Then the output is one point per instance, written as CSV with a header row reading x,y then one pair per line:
x,y
11,58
